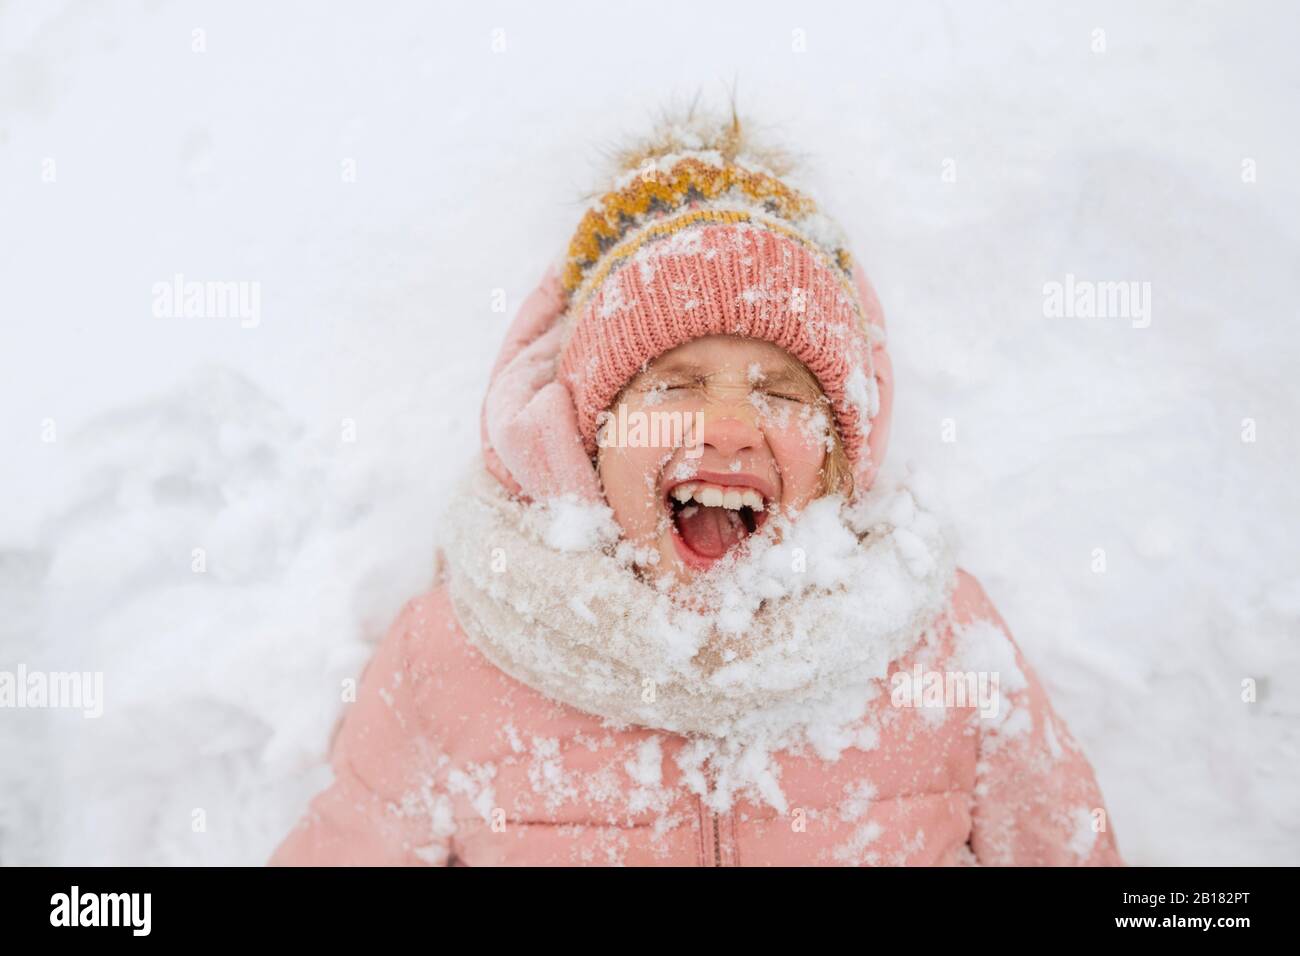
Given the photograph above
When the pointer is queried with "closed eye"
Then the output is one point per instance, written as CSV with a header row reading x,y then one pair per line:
x,y
787,396
681,385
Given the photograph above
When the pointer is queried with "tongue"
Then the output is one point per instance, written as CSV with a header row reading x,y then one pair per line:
x,y
710,531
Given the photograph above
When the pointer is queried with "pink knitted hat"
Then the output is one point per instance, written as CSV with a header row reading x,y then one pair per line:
x,y
690,244
721,275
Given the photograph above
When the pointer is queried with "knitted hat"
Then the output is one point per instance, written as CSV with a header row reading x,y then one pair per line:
x,y
700,246
699,237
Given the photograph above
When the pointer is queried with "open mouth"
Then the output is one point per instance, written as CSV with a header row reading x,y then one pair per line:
x,y
710,518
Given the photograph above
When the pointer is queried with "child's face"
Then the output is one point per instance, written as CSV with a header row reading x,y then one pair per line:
x,y
751,435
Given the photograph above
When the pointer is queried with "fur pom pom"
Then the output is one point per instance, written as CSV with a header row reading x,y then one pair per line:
x,y
696,129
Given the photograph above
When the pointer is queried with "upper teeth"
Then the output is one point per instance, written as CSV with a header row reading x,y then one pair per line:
x,y
712,496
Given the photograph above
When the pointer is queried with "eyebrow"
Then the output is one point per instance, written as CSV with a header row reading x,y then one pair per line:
x,y
783,375
679,367
780,374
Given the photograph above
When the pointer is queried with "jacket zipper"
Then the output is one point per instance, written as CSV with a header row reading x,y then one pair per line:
x,y
717,842
713,824
717,824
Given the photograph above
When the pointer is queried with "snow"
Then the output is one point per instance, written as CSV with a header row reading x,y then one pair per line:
x,y
647,769
1085,833
854,848
475,783
306,456
864,395
982,648
858,801
569,524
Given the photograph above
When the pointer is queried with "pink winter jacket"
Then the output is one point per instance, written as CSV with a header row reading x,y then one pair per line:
x,y
446,760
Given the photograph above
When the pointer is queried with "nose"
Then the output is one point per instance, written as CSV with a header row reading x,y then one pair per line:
x,y
729,435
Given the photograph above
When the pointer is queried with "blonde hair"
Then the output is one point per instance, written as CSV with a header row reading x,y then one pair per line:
x,y
837,475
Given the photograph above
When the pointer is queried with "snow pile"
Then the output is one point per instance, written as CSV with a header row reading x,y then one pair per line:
x,y
218,564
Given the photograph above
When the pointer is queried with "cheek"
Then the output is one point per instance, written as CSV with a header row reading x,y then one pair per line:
x,y
630,478
800,451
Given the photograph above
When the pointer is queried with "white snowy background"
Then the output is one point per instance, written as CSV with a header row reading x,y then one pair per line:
x,y
1072,434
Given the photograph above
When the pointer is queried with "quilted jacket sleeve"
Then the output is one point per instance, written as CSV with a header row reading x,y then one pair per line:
x,y
384,807
1037,802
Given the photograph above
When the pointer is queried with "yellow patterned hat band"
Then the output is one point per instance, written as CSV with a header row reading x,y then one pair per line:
x,y
675,184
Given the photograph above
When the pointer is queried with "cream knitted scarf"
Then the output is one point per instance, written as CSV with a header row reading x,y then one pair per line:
x,y
792,639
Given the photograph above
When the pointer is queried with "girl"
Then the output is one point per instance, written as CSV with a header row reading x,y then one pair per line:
x,y
678,621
